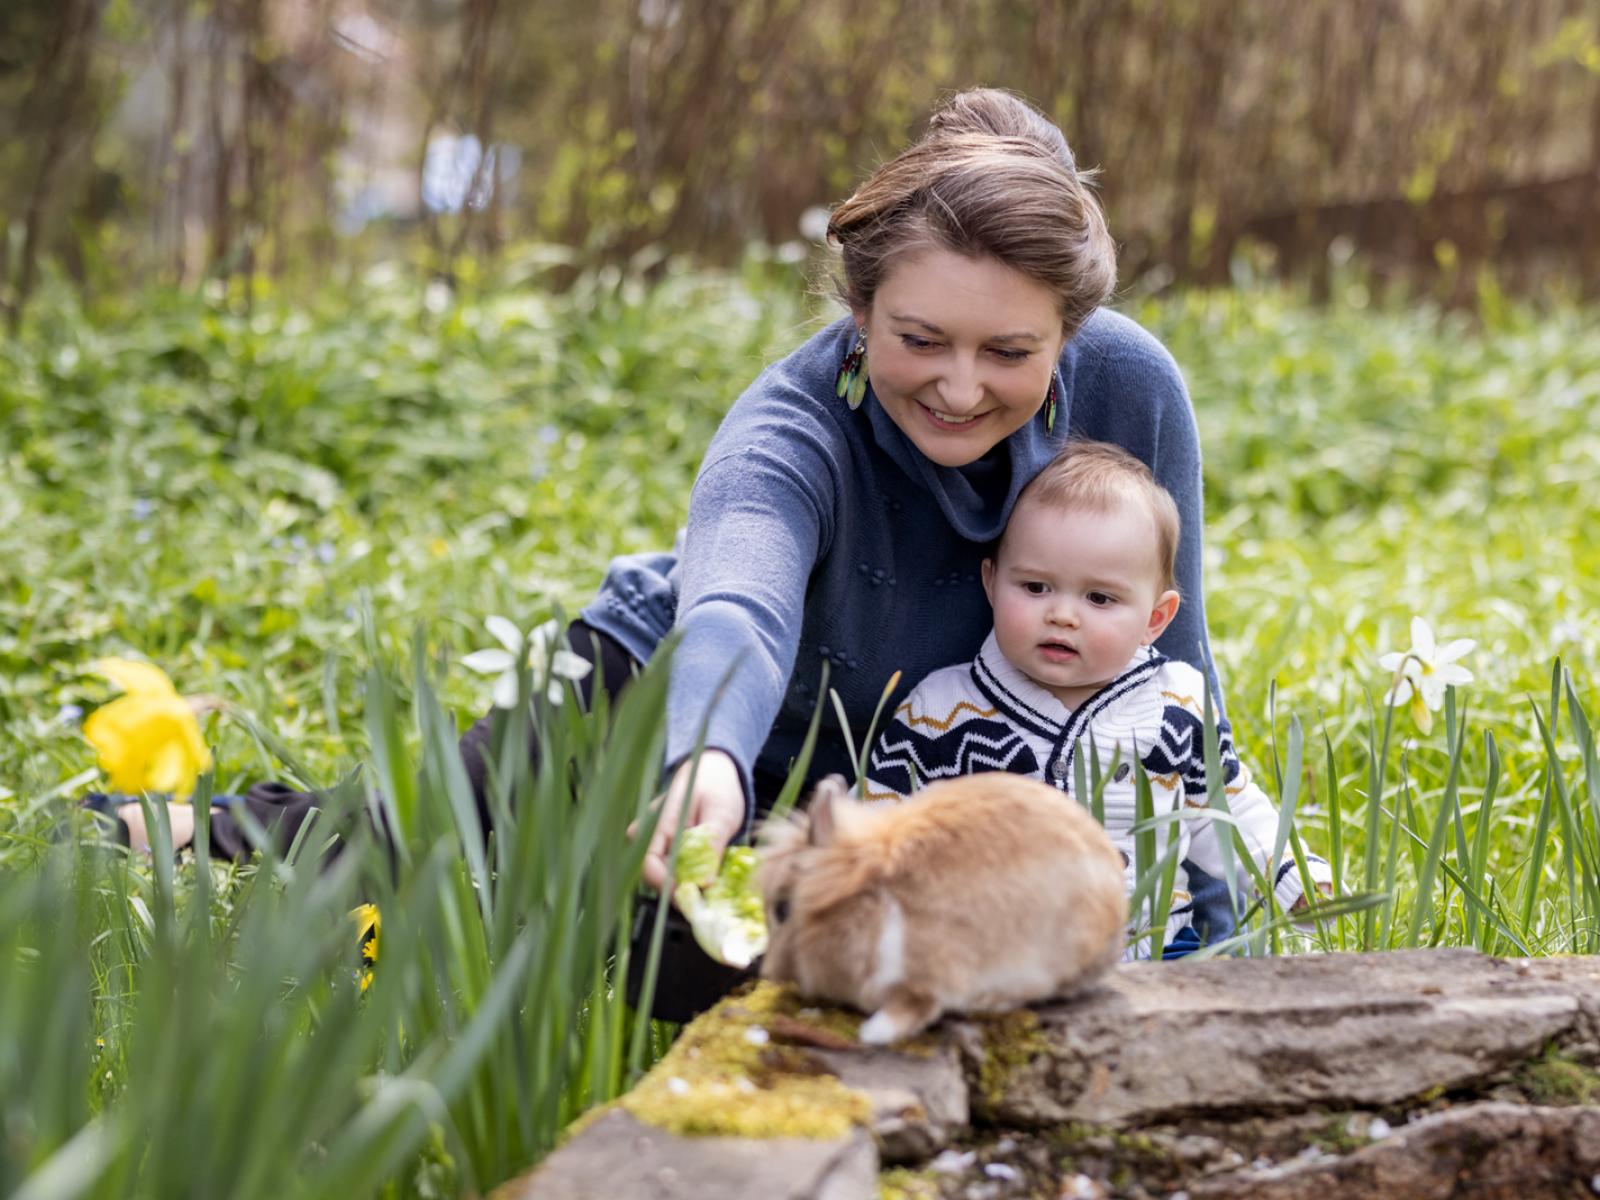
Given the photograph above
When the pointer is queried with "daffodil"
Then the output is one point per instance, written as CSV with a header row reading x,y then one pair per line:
x,y
1422,673
369,921
552,666
149,738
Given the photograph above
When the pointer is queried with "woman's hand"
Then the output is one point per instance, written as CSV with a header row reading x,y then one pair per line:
x,y
717,801
180,816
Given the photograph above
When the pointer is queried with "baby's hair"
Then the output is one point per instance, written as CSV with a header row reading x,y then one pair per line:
x,y
1097,477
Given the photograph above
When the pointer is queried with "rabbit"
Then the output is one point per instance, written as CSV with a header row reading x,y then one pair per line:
x,y
984,893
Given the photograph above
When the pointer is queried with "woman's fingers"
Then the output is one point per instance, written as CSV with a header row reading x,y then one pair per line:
x,y
717,801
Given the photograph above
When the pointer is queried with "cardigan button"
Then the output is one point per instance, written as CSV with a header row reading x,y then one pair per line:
x,y
1122,773
1058,769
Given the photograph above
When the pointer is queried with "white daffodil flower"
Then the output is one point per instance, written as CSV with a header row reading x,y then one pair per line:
x,y
552,668
1423,672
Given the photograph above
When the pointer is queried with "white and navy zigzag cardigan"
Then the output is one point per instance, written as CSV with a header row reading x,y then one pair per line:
x,y
988,716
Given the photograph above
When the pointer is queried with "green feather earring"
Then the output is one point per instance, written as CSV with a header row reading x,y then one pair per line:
x,y
1050,408
852,385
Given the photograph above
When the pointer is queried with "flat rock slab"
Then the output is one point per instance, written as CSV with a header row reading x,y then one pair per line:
x,y
1164,1042
919,1101
1482,1151
619,1158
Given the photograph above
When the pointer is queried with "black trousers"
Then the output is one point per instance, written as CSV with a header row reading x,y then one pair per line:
x,y
282,810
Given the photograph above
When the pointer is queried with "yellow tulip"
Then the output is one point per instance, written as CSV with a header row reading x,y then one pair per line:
x,y
148,739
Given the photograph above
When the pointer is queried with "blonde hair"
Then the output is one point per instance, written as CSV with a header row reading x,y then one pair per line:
x,y
991,177
1098,477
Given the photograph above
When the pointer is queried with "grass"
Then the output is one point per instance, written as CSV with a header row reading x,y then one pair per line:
x,y
311,510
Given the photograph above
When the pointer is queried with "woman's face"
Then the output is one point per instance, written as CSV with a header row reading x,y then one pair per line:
x,y
960,351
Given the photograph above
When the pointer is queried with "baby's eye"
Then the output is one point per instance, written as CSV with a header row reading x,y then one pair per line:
x,y
1101,600
1034,588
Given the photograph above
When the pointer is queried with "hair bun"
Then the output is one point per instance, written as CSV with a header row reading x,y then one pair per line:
x,y
1003,114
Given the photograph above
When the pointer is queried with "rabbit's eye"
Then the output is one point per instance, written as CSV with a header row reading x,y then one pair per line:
x,y
780,911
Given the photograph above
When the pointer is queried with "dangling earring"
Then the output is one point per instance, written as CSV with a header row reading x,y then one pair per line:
x,y
1050,408
852,383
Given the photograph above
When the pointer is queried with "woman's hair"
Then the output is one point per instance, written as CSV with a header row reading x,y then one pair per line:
x,y
991,177
1088,476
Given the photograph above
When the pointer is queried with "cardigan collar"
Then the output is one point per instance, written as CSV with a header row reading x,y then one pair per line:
x,y
1028,704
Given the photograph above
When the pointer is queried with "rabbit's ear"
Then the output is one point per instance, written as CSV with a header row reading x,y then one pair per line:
x,y
824,821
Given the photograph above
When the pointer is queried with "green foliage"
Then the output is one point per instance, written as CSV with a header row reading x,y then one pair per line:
x,y
230,495
211,1031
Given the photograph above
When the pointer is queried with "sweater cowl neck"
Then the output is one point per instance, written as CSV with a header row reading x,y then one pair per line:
x,y
976,498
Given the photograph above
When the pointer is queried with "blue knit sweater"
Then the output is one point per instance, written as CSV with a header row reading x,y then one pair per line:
x,y
817,534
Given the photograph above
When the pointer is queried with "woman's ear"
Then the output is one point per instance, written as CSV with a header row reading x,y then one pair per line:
x,y
1161,615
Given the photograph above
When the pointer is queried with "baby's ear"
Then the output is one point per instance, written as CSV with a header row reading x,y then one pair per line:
x,y
1161,615
831,794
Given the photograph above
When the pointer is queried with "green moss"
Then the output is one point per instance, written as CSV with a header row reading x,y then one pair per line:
x,y
1010,1042
720,1079
1554,1079
904,1183
1336,1137
1081,1135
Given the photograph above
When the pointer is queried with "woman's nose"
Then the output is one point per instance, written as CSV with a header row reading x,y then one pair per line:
x,y
960,390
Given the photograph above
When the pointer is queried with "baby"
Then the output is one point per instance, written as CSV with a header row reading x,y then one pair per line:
x,y
1081,584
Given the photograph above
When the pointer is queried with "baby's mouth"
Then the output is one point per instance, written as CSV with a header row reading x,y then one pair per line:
x,y
1058,651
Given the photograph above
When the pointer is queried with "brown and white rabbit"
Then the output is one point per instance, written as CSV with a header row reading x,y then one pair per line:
x,y
983,893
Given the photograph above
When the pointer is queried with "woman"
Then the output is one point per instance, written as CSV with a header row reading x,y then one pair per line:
x,y
845,504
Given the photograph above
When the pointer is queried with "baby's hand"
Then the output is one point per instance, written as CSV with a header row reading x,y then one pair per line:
x,y
1323,889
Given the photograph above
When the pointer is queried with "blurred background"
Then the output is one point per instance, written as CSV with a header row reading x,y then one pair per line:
x,y
147,142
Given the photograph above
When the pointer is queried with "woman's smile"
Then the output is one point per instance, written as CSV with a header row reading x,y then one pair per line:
x,y
946,420
960,352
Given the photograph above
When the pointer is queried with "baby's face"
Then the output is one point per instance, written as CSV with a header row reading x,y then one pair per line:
x,y
1075,594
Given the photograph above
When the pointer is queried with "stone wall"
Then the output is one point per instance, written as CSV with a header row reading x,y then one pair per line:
x,y
1411,1074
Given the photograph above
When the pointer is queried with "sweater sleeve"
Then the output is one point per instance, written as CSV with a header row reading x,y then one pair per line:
x,y
1257,824
760,517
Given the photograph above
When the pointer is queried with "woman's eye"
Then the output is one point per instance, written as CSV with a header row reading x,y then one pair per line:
x,y
912,341
1012,356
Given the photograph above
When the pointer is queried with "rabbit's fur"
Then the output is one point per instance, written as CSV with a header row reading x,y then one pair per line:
x,y
983,893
